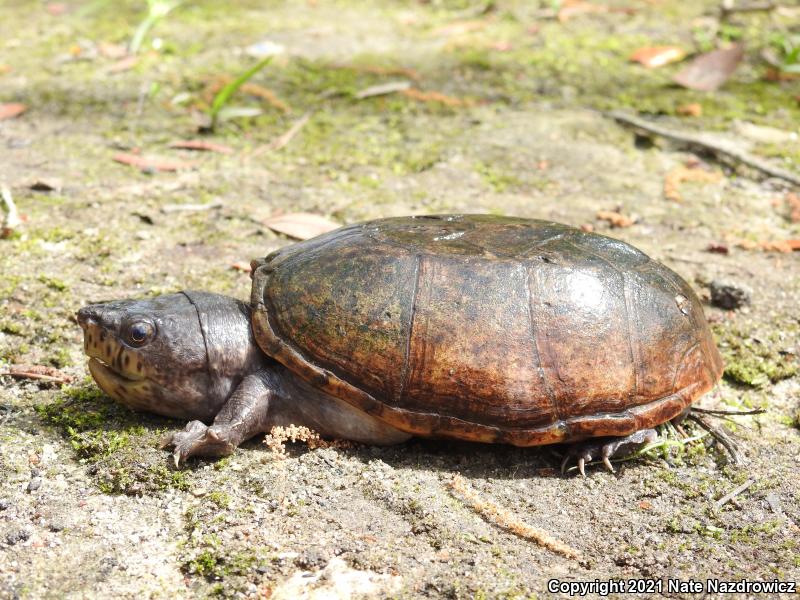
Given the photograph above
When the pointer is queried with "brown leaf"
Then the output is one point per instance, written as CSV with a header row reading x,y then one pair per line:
x,y
645,505
421,96
242,266
201,145
38,372
125,64
678,175
783,246
692,109
302,226
113,51
658,56
11,110
709,71
151,163
793,201
56,9
614,218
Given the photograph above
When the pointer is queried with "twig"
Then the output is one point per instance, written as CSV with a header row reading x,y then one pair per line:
x,y
733,493
699,142
283,140
168,208
722,437
714,411
39,373
11,220
505,519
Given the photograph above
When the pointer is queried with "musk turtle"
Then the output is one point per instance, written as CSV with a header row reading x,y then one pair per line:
x,y
471,327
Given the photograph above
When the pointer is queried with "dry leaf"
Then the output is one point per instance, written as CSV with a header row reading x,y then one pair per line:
x,y
690,110
201,145
614,218
709,71
421,96
242,266
678,175
793,201
114,51
783,246
151,163
302,226
645,505
716,248
126,64
382,89
657,56
4,69
11,110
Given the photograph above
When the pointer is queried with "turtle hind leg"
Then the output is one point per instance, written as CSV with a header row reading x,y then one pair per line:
x,y
605,448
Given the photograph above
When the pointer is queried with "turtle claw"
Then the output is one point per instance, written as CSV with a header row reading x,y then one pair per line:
x,y
197,439
585,452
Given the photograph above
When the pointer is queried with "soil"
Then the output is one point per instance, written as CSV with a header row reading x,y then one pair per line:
x,y
91,507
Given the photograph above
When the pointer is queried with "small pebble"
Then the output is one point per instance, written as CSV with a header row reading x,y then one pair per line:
x,y
17,536
729,295
34,484
4,504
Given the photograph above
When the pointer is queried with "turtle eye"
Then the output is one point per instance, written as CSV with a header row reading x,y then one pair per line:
x,y
139,332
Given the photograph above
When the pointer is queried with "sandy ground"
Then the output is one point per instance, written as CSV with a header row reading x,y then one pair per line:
x,y
90,507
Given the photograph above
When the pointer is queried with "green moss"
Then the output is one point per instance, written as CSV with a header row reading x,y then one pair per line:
x,y
497,178
220,498
213,562
129,475
754,361
54,283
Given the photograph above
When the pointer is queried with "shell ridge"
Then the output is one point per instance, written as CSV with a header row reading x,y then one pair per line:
x,y
543,349
407,355
633,339
535,345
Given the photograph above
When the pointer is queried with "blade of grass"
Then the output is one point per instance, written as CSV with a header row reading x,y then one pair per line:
x,y
156,10
222,97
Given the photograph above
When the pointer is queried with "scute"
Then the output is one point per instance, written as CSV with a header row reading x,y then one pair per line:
x,y
486,328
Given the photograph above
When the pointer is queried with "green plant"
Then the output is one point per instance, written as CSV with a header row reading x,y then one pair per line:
x,y
218,110
788,46
156,10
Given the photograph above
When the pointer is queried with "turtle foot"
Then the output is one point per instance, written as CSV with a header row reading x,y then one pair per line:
x,y
605,448
197,439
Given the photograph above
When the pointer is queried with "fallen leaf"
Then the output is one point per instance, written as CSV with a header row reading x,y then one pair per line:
x,y
645,505
574,8
301,225
5,69
716,248
126,64
692,109
421,96
109,50
201,145
383,89
38,372
46,185
709,71
679,175
460,27
614,218
242,266
56,9
501,46
782,246
657,56
151,163
793,201
11,110
776,75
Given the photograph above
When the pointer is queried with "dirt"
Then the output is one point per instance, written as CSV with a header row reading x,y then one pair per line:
x,y
90,505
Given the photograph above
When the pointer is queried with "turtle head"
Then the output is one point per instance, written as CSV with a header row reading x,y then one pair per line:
x,y
178,355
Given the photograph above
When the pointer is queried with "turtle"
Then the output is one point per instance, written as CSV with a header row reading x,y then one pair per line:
x,y
463,327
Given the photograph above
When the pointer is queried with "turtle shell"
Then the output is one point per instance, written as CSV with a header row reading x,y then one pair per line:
x,y
486,328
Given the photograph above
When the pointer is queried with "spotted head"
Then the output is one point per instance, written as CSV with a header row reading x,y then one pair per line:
x,y
178,355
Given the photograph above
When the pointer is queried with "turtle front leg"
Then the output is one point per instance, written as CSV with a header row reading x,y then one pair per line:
x,y
605,448
243,416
